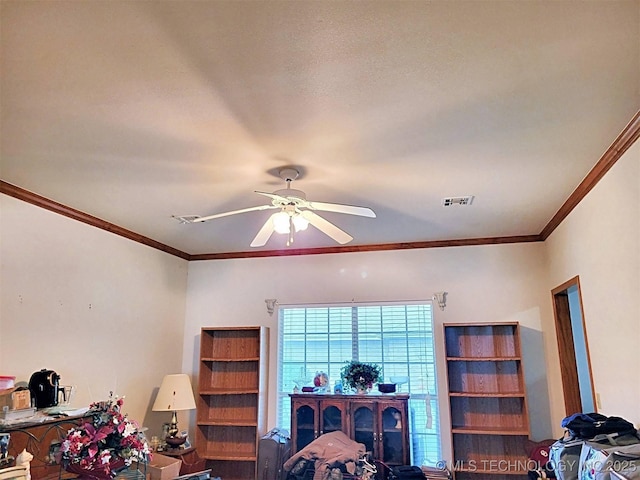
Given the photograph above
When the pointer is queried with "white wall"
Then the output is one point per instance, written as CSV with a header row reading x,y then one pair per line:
x,y
484,284
109,314
599,241
104,312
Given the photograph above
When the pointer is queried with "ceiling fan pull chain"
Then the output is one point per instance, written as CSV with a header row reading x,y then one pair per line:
x,y
290,239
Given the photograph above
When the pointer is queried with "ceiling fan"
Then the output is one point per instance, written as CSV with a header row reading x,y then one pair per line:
x,y
294,214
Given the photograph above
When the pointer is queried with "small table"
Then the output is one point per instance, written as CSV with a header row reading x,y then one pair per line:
x,y
191,462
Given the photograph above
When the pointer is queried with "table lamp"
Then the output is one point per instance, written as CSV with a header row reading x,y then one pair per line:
x,y
175,394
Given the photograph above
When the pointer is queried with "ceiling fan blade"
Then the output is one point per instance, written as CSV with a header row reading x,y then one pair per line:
x,y
326,227
265,232
233,212
273,196
339,208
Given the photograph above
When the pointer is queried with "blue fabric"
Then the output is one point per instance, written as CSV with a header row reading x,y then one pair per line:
x,y
582,416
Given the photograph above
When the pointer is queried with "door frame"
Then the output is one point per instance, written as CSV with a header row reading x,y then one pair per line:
x,y
566,350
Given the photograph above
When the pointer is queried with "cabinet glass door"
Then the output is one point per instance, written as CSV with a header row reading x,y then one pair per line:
x,y
305,426
364,426
331,419
392,433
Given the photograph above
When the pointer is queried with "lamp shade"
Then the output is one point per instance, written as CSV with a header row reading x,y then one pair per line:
x,y
175,393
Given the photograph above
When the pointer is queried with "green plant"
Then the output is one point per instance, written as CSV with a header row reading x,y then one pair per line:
x,y
359,374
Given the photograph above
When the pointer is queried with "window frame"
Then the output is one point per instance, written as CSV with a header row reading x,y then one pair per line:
x,y
423,403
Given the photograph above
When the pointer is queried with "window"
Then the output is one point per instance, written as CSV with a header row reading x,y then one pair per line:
x,y
398,337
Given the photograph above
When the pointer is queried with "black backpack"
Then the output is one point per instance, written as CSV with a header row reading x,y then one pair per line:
x,y
589,425
406,472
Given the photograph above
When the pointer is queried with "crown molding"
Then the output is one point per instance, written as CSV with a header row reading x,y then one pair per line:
x,y
619,146
48,204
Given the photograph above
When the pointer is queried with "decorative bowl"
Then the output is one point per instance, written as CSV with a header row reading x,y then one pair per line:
x,y
175,441
387,387
399,379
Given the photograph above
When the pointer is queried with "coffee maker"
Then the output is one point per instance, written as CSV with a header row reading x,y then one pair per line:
x,y
45,387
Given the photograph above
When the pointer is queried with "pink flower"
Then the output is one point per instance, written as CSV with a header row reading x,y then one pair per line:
x,y
110,435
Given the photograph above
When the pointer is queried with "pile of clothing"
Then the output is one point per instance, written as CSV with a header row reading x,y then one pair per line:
x,y
332,456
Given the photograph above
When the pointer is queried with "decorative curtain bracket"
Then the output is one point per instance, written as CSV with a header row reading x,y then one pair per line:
x,y
271,305
441,299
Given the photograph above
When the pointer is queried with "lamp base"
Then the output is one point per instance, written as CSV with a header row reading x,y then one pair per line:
x,y
173,426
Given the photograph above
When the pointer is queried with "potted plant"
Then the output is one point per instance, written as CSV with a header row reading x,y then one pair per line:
x,y
360,376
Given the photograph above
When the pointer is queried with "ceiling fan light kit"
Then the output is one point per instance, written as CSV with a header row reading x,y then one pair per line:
x,y
300,223
281,222
294,215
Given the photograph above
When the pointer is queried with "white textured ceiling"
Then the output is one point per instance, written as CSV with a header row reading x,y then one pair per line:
x,y
136,111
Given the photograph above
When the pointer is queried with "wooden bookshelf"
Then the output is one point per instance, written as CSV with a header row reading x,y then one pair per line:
x,y
231,410
487,400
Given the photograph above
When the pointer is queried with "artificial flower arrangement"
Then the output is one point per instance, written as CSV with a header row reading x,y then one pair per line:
x,y
360,375
107,443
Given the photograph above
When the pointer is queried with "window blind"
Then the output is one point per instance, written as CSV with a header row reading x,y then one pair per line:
x,y
398,337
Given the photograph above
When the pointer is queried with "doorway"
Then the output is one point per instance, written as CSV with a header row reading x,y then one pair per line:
x,y
575,365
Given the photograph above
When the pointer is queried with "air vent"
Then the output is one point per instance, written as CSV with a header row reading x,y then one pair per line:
x,y
449,201
185,218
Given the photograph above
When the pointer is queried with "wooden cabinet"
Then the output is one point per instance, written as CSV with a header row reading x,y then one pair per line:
x,y
41,440
380,422
314,416
487,400
231,404
382,427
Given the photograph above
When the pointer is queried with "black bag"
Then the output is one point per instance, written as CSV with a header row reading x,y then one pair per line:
x,y
274,449
406,472
589,425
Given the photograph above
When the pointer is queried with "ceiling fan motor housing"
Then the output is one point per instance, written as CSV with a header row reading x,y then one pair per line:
x,y
294,196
